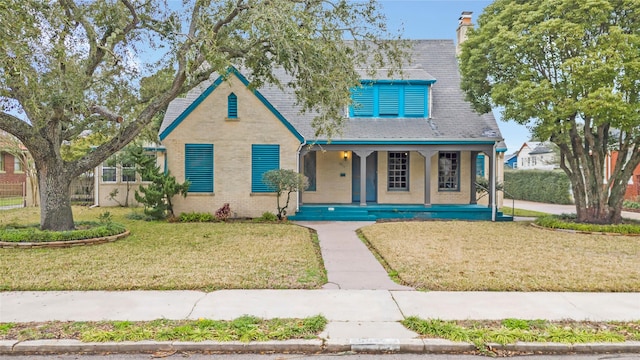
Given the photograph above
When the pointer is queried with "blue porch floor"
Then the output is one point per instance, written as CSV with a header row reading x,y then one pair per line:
x,y
373,212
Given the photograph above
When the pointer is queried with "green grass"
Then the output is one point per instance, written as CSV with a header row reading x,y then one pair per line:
x,y
168,256
245,329
11,201
509,331
513,256
521,212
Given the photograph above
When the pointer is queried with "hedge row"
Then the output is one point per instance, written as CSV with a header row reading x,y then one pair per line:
x,y
551,187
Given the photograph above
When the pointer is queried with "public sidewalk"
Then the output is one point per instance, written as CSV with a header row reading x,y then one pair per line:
x,y
359,320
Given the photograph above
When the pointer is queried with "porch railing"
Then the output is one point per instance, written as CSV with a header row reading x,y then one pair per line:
x,y
506,193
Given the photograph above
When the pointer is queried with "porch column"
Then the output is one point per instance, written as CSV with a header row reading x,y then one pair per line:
x,y
474,169
492,179
363,174
427,175
301,154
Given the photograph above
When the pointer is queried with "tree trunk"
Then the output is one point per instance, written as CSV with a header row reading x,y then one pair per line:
x,y
55,200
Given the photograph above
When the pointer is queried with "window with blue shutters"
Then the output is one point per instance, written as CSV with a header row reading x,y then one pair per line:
x,y
415,101
362,101
198,167
480,165
390,100
232,106
264,157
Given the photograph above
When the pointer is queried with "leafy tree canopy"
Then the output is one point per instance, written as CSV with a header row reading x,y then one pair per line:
x,y
69,66
570,69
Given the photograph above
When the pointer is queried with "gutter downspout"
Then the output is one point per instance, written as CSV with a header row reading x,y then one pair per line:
x,y
96,187
303,143
493,184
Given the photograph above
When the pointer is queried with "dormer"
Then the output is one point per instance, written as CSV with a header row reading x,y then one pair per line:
x,y
393,98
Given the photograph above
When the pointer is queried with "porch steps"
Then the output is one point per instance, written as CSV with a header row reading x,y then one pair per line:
x,y
373,212
332,213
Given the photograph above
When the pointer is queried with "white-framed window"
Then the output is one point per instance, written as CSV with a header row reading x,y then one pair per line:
x,y
109,171
1,161
398,171
17,164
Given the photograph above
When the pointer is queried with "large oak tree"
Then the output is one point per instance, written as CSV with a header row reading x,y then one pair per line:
x,y
570,70
71,67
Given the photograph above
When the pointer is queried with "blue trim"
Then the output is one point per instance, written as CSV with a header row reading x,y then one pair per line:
x,y
501,150
209,90
403,142
372,212
402,82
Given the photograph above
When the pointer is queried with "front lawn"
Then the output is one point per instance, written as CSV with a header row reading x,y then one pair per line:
x,y
160,255
474,256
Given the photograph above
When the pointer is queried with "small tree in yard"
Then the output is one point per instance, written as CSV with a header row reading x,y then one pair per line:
x,y
284,181
156,196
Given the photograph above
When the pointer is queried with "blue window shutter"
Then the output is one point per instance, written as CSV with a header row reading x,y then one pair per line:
x,y
362,101
480,165
198,167
264,157
389,100
415,100
232,106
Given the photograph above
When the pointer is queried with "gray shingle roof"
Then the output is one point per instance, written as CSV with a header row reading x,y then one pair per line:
x,y
452,117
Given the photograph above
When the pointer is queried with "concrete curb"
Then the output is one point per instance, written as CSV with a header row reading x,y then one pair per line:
x,y
436,346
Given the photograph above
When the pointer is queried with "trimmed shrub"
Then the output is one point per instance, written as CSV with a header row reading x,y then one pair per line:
x,y
552,187
195,217
567,222
84,230
267,217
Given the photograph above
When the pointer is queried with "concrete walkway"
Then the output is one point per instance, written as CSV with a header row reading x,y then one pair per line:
x,y
348,261
558,209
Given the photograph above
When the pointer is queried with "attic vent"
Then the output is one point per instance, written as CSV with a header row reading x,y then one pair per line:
x,y
232,106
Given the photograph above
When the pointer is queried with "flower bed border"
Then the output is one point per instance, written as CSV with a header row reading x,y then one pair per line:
x,y
64,244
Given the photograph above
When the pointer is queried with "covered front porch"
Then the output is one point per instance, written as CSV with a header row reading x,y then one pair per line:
x,y
420,180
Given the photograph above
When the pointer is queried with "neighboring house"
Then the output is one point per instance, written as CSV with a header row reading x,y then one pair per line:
x,y
412,147
633,186
511,161
11,170
115,181
536,155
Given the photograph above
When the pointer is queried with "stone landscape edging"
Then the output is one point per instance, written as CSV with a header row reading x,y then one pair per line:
x,y
64,244
570,231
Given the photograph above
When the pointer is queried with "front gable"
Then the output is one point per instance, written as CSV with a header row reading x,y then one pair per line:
x,y
231,108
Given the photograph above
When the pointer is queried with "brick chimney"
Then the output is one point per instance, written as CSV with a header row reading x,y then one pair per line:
x,y
463,25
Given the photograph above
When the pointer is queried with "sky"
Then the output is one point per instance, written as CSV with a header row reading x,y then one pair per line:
x,y
438,19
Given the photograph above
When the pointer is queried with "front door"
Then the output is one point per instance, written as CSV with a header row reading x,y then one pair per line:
x,y
372,178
